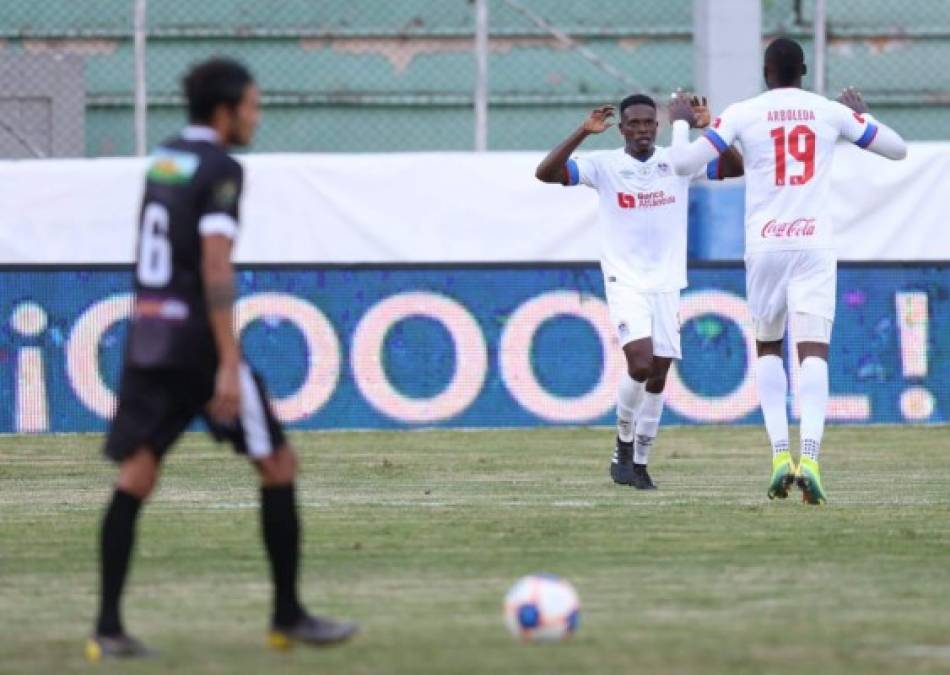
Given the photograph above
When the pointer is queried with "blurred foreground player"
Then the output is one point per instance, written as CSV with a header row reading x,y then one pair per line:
x,y
642,221
788,138
183,359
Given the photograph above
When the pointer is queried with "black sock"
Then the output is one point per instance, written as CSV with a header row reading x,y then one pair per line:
x,y
115,551
282,540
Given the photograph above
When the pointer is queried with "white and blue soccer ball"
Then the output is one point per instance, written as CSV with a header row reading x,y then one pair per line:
x,y
542,608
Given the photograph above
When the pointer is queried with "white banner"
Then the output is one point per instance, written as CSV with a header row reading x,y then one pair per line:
x,y
428,207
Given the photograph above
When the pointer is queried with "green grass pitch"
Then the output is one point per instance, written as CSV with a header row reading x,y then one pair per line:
x,y
418,535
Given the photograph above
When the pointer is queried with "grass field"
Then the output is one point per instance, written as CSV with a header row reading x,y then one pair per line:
x,y
418,535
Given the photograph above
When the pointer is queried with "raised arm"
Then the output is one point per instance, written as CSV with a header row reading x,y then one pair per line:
x,y
553,168
875,136
688,158
729,164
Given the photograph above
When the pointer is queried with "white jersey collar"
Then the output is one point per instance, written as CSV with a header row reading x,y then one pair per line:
x,y
198,132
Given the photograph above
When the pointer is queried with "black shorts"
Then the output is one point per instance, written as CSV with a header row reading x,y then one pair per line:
x,y
157,405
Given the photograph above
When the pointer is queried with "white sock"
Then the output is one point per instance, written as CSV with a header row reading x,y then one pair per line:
x,y
772,384
813,395
647,423
629,397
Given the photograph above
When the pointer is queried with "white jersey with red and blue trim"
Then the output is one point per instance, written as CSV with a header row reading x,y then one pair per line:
x,y
642,216
788,138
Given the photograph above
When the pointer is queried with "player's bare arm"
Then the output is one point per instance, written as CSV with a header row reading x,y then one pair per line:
x,y
217,273
730,164
552,168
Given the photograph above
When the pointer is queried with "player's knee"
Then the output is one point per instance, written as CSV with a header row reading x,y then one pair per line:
x,y
640,369
656,383
139,484
279,468
768,348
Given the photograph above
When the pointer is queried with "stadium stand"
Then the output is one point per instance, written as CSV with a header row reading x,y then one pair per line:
x,y
363,75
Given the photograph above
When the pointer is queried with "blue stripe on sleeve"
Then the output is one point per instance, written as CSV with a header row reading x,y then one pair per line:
x,y
716,140
712,170
867,136
573,174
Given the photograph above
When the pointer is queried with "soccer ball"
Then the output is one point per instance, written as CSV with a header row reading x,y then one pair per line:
x,y
542,608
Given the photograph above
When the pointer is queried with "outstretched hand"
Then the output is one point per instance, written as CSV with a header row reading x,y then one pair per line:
x,y
852,98
599,119
681,108
701,109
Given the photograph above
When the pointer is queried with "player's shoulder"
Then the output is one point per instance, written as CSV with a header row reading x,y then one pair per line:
x,y
173,162
599,160
602,155
216,161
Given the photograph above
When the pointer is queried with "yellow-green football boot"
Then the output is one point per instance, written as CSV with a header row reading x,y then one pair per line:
x,y
783,475
809,480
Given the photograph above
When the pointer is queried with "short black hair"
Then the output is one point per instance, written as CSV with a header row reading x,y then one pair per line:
x,y
636,99
211,83
786,58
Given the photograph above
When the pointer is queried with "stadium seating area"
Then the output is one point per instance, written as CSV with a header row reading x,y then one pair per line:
x,y
365,75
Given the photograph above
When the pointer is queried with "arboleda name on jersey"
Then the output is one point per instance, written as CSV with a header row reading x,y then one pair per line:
x,y
802,115
172,166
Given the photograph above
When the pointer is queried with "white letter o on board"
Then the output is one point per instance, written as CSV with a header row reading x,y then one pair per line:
x,y
471,357
740,401
514,353
323,349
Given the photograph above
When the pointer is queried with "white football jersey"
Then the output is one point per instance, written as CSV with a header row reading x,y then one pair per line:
x,y
788,139
642,219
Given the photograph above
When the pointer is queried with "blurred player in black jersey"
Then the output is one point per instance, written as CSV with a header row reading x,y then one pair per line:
x,y
183,359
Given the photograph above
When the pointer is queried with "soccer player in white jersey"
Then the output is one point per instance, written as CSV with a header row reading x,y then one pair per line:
x,y
788,136
642,220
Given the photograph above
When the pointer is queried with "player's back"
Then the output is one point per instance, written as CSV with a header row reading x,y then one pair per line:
x,y
788,139
192,188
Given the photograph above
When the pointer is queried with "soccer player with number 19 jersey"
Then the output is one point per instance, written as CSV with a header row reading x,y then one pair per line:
x,y
788,138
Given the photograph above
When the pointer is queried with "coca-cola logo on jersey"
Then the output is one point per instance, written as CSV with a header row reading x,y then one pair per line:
x,y
800,227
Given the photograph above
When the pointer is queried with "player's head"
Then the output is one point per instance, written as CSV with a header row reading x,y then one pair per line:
x,y
221,94
784,63
638,123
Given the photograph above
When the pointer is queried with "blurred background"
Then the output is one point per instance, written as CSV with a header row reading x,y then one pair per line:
x,y
101,77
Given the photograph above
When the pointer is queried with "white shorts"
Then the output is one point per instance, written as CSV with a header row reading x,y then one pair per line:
x,y
637,315
800,282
